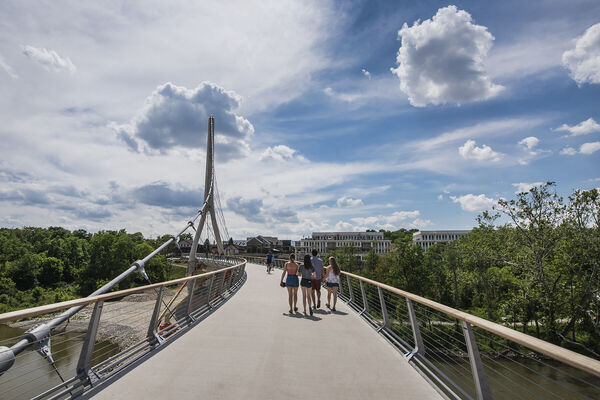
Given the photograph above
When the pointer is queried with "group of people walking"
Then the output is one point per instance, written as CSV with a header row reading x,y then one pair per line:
x,y
312,274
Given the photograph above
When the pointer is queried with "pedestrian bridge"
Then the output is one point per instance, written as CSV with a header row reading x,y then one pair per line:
x,y
227,334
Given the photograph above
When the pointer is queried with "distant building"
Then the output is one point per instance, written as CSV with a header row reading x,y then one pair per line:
x,y
262,244
426,239
363,242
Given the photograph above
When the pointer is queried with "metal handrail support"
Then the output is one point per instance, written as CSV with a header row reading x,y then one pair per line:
x,y
209,292
364,299
386,318
222,286
152,333
85,357
351,297
414,322
188,309
482,388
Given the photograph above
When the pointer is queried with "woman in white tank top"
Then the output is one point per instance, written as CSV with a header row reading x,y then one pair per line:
x,y
332,281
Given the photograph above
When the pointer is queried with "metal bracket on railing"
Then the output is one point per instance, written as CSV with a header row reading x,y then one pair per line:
x,y
154,322
351,297
386,319
140,269
85,357
482,388
188,308
414,322
365,309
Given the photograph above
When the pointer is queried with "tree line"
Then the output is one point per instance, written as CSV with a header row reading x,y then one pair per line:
x,y
47,265
532,263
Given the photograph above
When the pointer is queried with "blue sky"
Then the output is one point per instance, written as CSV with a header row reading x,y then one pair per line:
x,y
329,115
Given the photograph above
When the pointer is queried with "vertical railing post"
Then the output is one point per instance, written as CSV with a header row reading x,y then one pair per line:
x,y
414,322
188,308
350,291
386,319
222,285
341,289
154,320
209,293
365,309
85,357
482,387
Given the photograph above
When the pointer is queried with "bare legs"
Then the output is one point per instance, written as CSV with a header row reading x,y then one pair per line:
x,y
335,289
290,297
295,298
331,290
305,297
312,295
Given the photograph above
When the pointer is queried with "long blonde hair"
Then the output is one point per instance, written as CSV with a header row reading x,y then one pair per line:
x,y
334,265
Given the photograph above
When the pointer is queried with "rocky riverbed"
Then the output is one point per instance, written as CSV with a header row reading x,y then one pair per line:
x,y
123,322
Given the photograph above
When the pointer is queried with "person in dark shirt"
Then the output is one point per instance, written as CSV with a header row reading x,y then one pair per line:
x,y
307,272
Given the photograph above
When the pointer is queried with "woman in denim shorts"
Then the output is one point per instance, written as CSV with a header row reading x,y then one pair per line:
x,y
307,271
291,269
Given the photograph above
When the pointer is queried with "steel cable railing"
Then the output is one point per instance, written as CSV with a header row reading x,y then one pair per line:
x,y
114,332
467,357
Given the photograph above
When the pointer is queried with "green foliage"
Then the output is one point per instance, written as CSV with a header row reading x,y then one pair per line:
x,y
538,273
47,265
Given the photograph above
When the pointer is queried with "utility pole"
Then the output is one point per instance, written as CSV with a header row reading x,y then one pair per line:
x,y
209,204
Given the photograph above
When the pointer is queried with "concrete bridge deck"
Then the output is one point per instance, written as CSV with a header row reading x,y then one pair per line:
x,y
251,348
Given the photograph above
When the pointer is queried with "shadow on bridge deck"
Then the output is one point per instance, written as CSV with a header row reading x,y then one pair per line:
x,y
252,348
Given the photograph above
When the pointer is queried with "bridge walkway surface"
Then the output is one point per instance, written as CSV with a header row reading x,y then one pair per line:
x,y
252,348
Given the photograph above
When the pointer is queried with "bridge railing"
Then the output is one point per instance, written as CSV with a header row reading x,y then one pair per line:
x,y
112,334
464,356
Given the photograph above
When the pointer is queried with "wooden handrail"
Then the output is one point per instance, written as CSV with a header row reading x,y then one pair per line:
x,y
558,353
32,312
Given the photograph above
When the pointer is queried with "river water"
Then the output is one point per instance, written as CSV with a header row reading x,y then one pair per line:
x,y
31,374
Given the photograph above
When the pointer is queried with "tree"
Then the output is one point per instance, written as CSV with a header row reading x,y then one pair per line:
x,y
51,269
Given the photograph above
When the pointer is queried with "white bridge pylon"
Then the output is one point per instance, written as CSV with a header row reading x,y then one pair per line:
x,y
209,195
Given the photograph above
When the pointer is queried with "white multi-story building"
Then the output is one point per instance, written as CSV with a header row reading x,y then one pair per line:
x,y
426,239
363,242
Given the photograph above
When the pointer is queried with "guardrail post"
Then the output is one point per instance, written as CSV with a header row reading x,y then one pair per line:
x,y
364,299
85,357
482,387
209,293
386,319
222,285
188,308
414,322
351,297
154,320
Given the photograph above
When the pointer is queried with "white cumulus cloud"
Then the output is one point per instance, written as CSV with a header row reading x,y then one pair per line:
x,y
589,148
523,187
474,203
568,151
583,61
441,60
175,116
366,73
49,59
345,201
529,142
470,151
583,128
280,153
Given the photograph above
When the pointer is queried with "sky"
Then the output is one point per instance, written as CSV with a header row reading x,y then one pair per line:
x,y
329,115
